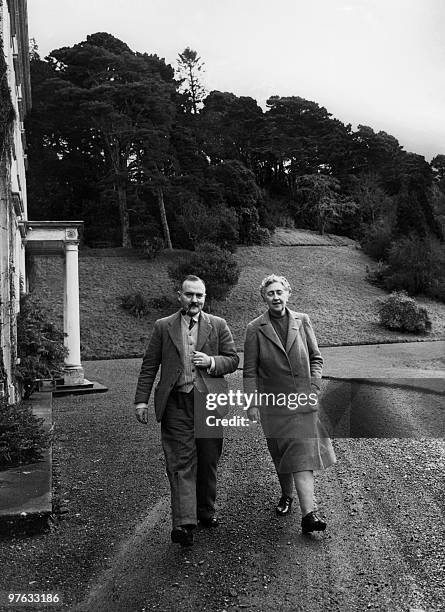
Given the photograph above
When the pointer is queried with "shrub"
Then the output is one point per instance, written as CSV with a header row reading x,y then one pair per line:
x,y
376,274
195,223
136,304
376,241
250,231
398,311
163,302
148,230
416,265
437,289
22,437
217,268
261,235
152,247
40,346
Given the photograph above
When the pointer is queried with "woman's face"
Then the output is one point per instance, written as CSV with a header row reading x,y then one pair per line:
x,y
276,297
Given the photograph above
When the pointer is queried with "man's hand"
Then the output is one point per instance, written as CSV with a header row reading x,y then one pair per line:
x,y
254,414
201,360
141,413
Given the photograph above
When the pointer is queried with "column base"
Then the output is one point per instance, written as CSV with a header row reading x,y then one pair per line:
x,y
85,387
73,375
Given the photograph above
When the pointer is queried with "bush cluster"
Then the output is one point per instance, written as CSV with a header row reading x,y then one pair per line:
x,y
151,247
217,267
376,274
417,265
398,311
136,304
40,345
22,436
410,263
376,240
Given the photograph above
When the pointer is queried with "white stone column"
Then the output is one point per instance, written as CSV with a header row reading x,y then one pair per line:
x,y
73,370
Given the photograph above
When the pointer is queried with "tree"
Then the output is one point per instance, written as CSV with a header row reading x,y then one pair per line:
x,y
190,68
373,202
240,193
438,168
438,206
229,128
114,106
415,213
300,137
380,154
319,195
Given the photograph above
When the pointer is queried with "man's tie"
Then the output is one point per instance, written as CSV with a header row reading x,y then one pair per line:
x,y
191,324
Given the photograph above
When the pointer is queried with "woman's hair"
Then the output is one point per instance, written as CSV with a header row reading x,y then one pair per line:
x,y
274,278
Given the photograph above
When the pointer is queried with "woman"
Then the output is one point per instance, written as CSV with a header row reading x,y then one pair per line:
x,y
282,360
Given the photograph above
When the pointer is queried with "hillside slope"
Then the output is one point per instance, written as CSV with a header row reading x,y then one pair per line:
x,y
328,283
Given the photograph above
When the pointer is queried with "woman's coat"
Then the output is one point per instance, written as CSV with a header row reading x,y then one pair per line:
x,y
296,434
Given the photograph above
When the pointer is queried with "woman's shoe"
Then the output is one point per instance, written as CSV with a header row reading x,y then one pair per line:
x,y
284,505
311,522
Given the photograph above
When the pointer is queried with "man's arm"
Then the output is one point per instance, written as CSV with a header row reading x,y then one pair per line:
x,y
147,375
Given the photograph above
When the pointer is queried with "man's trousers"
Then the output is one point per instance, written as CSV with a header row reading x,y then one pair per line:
x,y
191,462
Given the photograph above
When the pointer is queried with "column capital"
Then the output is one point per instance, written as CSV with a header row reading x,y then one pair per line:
x,y
71,235
71,245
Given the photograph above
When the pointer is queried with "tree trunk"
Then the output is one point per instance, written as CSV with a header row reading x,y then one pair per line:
x,y
119,158
123,213
164,222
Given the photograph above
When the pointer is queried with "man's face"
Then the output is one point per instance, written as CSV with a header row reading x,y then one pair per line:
x,y
192,297
276,297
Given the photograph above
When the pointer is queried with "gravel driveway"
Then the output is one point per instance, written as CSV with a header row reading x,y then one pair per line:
x,y
384,548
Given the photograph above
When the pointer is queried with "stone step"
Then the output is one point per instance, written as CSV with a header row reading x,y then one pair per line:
x,y
26,489
80,389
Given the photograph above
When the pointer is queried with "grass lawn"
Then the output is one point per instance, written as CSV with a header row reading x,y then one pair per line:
x,y
295,237
328,283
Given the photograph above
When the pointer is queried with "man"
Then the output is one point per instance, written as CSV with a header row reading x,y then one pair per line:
x,y
194,350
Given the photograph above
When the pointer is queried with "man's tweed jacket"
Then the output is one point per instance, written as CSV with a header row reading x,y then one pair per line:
x,y
164,348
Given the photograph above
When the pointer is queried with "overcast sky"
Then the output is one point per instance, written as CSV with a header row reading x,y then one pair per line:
x,y
376,62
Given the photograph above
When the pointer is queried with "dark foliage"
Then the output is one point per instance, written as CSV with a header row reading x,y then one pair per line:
x,y
416,265
115,140
22,436
6,108
40,345
136,304
151,247
217,268
376,240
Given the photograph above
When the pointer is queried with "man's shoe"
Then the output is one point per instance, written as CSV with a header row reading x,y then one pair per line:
x,y
311,522
210,522
182,535
284,505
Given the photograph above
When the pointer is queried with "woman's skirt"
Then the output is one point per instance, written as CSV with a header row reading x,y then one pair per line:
x,y
297,441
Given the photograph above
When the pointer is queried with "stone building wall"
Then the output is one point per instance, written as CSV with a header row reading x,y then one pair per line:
x,y
14,72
